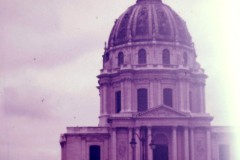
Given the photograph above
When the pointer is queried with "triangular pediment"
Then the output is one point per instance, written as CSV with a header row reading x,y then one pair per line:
x,y
162,111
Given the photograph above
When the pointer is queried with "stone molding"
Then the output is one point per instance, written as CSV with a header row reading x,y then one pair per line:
x,y
162,111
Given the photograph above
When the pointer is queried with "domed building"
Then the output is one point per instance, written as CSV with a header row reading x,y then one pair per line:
x,y
152,100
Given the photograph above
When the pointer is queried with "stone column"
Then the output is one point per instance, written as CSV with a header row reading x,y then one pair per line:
x,y
174,143
105,150
151,95
187,98
114,143
192,143
130,155
181,96
200,93
203,110
159,93
122,97
149,149
138,146
186,144
209,155
104,99
101,99
128,95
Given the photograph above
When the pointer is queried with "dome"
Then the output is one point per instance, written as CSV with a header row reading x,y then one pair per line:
x,y
149,20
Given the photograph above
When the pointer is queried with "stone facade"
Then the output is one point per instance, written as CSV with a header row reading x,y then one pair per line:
x,y
152,100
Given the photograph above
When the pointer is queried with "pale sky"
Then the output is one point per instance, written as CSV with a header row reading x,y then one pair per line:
x,y
50,55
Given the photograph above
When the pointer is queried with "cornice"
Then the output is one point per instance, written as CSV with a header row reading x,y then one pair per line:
x,y
151,75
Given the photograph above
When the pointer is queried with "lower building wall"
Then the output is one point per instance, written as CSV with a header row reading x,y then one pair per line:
x,y
122,144
77,147
73,148
222,147
180,142
200,141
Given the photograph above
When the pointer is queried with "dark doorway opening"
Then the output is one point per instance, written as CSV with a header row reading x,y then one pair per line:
x,y
94,153
160,152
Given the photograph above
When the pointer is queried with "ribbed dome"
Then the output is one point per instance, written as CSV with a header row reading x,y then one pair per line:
x,y
149,20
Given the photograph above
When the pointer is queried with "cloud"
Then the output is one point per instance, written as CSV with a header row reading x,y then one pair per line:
x,y
44,34
50,94
29,139
17,102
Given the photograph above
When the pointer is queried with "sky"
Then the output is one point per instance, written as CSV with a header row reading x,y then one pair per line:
x,y
50,55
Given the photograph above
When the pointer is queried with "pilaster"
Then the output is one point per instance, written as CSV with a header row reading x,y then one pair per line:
x,y
84,148
151,105
113,144
122,97
128,95
138,145
209,149
174,143
159,93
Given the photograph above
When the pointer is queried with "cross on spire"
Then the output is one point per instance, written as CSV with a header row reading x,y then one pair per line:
x,y
138,1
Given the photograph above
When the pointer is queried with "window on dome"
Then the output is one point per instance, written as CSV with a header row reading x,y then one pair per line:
x,y
142,57
168,97
166,57
185,58
120,58
118,101
105,57
142,99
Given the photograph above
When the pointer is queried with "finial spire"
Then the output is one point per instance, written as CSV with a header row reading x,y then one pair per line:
x,y
105,45
138,1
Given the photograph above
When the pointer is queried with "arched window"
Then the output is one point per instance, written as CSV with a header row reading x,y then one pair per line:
x,y
185,58
118,101
142,99
166,57
94,152
120,58
168,97
142,57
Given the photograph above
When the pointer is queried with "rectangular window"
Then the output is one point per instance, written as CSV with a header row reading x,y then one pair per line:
x,y
142,99
142,57
168,97
118,101
224,153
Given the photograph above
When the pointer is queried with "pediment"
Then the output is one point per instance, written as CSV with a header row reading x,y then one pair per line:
x,y
162,111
